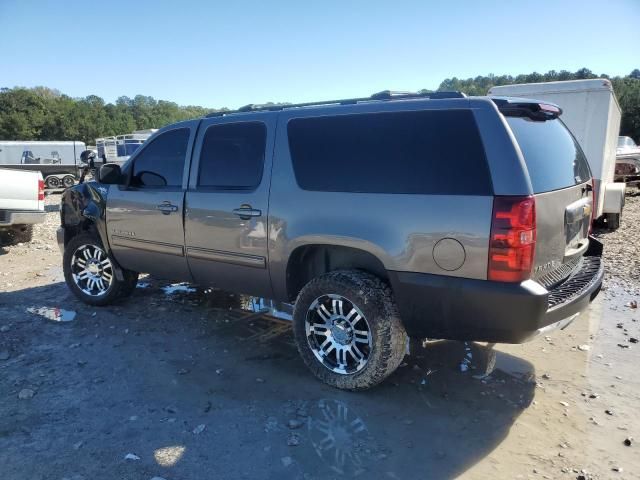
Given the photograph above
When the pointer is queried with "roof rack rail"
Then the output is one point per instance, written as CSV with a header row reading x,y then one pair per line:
x,y
393,95
385,95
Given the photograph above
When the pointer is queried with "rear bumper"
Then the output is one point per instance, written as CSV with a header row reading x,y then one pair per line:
x,y
12,217
435,306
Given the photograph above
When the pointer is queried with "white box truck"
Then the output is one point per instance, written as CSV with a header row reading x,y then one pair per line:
x,y
58,162
591,111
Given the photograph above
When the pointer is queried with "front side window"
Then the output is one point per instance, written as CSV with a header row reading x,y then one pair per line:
x,y
232,156
161,164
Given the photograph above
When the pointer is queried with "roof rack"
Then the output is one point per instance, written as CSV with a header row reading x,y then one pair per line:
x,y
385,95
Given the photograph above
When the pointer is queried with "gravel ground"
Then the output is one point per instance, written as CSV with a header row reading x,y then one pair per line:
x,y
176,383
621,249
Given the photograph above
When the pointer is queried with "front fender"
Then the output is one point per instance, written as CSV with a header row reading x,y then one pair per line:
x,y
83,207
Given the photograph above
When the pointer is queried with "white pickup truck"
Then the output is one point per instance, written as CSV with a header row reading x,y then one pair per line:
x,y
21,205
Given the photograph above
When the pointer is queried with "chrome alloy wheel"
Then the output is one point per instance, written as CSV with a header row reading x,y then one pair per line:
x,y
92,270
338,334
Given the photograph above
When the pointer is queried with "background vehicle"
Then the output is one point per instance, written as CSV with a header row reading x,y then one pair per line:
x,y
58,162
118,149
360,216
591,111
628,170
21,205
626,144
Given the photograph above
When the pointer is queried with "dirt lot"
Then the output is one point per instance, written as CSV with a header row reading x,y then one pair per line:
x,y
176,383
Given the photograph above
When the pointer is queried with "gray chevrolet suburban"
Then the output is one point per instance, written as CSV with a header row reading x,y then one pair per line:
x,y
373,219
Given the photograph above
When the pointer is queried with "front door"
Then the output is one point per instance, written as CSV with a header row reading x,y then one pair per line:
x,y
144,217
226,204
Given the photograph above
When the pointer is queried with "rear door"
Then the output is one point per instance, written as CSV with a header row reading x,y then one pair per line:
x,y
145,217
561,182
227,204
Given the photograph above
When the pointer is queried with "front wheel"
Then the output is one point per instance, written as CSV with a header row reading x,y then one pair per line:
x,y
90,273
347,329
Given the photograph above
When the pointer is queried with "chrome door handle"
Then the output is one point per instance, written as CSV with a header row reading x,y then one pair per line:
x,y
246,213
166,208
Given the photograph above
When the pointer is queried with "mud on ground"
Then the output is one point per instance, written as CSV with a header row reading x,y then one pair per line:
x,y
177,383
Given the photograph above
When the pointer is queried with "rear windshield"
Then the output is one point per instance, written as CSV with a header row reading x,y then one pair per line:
x,y
553,157
435,152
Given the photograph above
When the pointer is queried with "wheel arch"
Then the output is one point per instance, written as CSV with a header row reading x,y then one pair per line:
x,y
82,209
311,260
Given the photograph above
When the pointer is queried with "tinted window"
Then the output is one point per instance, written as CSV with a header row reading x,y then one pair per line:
x,y
161,163
426,152
553,157
232,155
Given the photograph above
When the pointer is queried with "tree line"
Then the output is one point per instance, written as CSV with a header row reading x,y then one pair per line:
x,y
42,113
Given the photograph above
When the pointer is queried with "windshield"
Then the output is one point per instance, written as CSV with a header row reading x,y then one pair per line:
x,y
553,157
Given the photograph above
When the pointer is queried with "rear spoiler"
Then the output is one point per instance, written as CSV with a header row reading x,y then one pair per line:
x,y
533,109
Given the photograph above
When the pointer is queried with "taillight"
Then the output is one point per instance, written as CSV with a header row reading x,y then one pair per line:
x,y
513,239
40,190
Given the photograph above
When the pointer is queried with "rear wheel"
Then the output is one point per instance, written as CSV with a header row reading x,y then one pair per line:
x,y
16,234
347,329
613,221
90,273
52,182
68,181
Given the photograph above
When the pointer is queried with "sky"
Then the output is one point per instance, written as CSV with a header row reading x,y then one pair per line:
x,y
230,53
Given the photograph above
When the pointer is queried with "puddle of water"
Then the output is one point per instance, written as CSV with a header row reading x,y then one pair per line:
x,y
221,299
53,313
177,288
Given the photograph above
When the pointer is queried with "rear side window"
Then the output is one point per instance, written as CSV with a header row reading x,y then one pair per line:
x,y
422,152
233,155
161,163
553,157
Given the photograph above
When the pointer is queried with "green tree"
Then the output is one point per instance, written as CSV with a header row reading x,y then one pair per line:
x,y
627,90
43,113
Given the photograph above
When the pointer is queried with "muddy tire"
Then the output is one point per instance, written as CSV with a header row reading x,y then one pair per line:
x,y
91,274
16,234
348,330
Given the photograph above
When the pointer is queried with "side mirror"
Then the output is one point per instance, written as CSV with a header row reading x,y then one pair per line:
x,y
110,174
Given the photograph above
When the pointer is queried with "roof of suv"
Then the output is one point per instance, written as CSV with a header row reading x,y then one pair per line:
x,y
384,96
503,103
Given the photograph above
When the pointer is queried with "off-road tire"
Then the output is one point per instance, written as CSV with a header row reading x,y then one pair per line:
x,y
375,299
118,288
16,234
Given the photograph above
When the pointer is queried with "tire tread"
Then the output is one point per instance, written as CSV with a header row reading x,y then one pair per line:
x,y
389,334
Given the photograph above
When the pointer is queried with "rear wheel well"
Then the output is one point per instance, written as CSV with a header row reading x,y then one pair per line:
x,y
311,261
